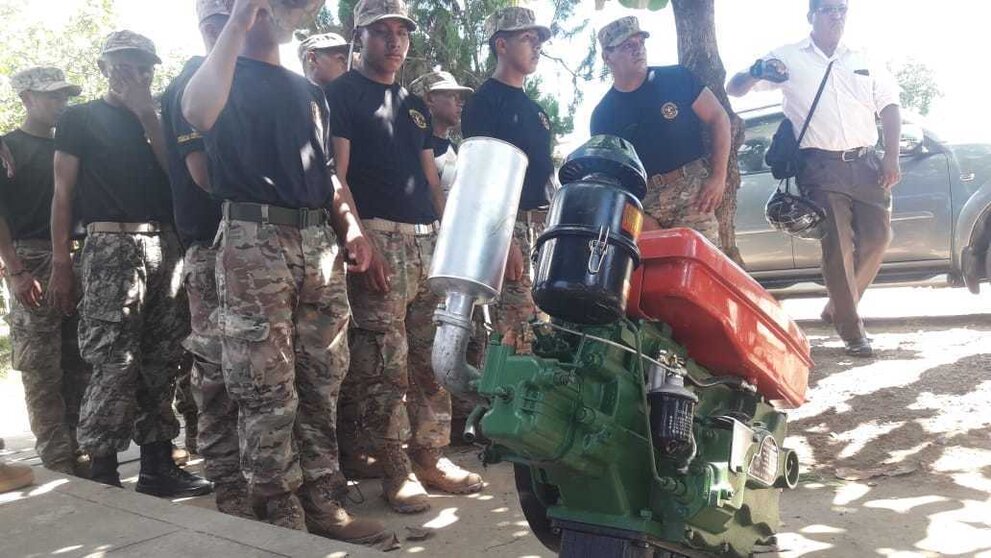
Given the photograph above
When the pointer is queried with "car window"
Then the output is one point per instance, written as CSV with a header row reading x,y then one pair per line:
x,y
750,156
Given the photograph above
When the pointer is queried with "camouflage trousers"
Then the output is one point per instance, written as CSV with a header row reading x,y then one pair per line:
x,y
671,198
390,351
283,321
133,317
217,440
45,349
515,307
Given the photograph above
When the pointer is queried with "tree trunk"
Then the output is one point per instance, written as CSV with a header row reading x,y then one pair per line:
x,y
697,50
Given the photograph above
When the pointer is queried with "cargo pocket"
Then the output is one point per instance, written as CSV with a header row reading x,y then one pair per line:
x,y
31,337
100,330
244,359
108,288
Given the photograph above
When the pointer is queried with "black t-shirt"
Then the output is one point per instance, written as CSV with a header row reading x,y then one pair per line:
x,y
657,118
197,214
505,112
26,199
440,145
270,144
119,178
388,129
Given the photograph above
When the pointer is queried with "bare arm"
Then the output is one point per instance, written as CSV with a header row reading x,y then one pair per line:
x,y
66,175
60,288
433,181
135,95
156,137
709,110
24,285
199,168
376,271
741,84
771,69
891,126
207,92
714,116
7,253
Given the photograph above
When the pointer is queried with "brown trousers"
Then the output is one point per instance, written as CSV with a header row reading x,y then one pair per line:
x,y
858,230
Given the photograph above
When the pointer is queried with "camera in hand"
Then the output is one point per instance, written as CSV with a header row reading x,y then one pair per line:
x,y
771,70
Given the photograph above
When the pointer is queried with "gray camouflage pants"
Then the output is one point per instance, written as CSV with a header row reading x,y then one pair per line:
x,y
133,317
46,351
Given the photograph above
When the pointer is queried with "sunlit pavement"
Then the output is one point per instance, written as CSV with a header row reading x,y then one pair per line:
x,y
896,454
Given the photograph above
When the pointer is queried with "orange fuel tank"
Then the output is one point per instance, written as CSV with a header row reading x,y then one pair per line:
x,y
725,319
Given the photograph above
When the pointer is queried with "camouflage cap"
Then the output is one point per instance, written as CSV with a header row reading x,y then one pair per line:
x,y
121,41
367,12
322,41
209,8
615,33
437,81
42,79
514,18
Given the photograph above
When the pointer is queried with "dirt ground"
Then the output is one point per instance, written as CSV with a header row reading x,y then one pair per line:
x,y
896,451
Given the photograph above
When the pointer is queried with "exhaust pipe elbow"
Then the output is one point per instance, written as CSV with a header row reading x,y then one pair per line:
x,y
450,351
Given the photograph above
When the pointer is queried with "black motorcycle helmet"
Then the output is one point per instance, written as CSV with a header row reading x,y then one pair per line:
x,y
795,215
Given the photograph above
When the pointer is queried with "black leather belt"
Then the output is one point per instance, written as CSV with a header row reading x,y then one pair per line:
x,y
272,214
845,156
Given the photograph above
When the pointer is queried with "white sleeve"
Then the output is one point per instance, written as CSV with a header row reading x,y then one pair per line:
x,y
886,89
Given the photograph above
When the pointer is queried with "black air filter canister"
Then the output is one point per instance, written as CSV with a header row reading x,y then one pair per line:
x,y
586,255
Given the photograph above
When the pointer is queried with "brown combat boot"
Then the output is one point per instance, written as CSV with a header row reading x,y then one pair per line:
x,y
399,485
437,471
232,498
284,511
13,477
327,518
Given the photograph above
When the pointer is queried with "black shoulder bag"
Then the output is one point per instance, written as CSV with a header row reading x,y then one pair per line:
x,y
783,154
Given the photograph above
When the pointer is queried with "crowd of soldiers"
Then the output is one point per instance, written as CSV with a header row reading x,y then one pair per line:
x,y
279,229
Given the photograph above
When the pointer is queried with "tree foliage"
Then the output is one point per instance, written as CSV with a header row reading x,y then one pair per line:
x,y
74,47
918,86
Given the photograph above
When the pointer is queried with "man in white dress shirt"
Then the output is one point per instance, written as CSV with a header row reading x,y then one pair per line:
x,y
840,169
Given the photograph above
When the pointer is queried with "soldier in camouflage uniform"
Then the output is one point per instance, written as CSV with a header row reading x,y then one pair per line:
x,y
382,137
197,218
109,174
44,341
663,112
445,98
501,109
286,229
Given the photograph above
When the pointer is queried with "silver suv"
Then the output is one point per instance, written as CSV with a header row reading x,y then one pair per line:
x,y
941,217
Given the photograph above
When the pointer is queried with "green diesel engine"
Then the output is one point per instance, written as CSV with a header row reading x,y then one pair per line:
x,y
647,421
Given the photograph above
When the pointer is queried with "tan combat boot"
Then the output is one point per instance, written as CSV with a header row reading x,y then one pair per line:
x,y
437,471
232,499
327,518
13,477
399,485
283,511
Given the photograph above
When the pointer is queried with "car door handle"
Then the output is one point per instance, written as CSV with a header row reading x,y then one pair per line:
x,y
968,177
